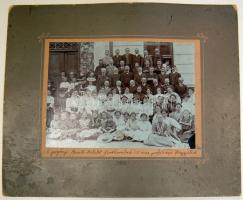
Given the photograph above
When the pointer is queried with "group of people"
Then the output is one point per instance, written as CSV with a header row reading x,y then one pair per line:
x,y
126,97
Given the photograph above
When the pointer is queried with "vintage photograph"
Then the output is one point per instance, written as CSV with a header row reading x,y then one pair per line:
x,y
121,94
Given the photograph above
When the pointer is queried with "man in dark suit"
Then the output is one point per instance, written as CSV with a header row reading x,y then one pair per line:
x,y
101,79
137,58
126,76
144,85
127,57
174,76
181,88
156,56
98,68
139,75
117,58
133,87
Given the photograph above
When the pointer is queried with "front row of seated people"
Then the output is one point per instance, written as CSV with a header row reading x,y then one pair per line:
x,y
106,126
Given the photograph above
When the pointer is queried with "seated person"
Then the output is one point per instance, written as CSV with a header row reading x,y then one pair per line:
x,y
186,122
171,105
119,121
170,91
95,121
128,94
59,126
177,113
72,103
147,106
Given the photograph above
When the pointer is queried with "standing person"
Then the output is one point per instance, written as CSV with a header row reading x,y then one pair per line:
x,y
162,76
50,109
158,66
137,58
139,75
107,59
151,76
133,87
110,69
127,57
155,86
115,77
146,67
147,57
139,94
107,88
156,56
98,68
101,79
118,87
174,76
126,76
117,58
144,85
121,67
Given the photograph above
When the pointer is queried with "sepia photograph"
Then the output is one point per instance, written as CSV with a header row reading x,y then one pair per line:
x,y
121,94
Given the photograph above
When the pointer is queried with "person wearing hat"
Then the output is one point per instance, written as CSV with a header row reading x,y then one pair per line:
x,y
170,91
91,84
